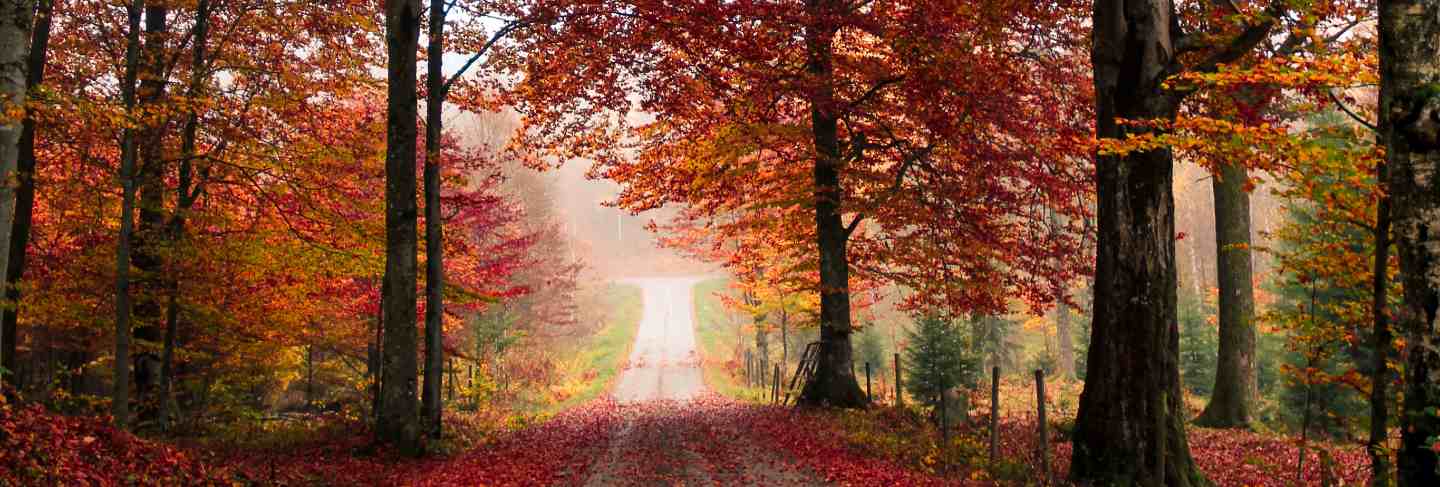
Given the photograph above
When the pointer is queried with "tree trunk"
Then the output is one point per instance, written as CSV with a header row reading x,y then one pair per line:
x,y
1410,76
167,358
1232,405
309,377
25,188
834,383
372,366
431,406
762,345
399,421
184,200
120,397
1382,340
151,235
15,19
784,335
1130,429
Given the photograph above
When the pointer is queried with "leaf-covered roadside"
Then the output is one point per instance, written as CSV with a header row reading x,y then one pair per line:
x,y
38,447
44,448
708,440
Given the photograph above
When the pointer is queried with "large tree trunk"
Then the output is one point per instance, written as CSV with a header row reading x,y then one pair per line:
x,y
399,420
120,391
1410,76
431,406
1130,429
1232,405
834,383
151,237
24,189
15,20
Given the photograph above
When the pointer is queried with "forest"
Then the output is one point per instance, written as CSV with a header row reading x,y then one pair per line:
x,y
732,242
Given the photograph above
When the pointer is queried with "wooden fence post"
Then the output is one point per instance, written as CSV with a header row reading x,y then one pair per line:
x,y
1044,429
749,369
775,387
899,396
994,413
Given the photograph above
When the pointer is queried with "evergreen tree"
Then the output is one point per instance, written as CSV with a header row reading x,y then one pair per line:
x,y
1199,343
870,347
937,359
991,342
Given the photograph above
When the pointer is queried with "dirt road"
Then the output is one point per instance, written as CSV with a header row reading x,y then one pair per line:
x,y
672,433
663,364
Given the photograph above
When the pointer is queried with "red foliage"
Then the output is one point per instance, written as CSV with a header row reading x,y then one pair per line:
x,y
38,447
709,440
1226,457
814,440
555,451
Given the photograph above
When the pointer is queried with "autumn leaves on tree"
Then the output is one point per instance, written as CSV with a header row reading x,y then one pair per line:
x,y
810,136
210,203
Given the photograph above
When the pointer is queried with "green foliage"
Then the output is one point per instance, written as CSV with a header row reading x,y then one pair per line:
x,y
1042,360
600,359
1325,251
992,341
870,347
717,337
1199,342
1082,345
937,359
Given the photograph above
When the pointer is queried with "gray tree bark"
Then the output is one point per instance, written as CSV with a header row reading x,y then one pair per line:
x,y
25,187
1232,405
15,19
1410,77
399,422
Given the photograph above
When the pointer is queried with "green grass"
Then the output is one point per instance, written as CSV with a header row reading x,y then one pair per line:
x,y
606,351
717,339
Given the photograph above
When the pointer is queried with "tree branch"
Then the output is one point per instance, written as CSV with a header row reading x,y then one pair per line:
x,y
499,34
1353,116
